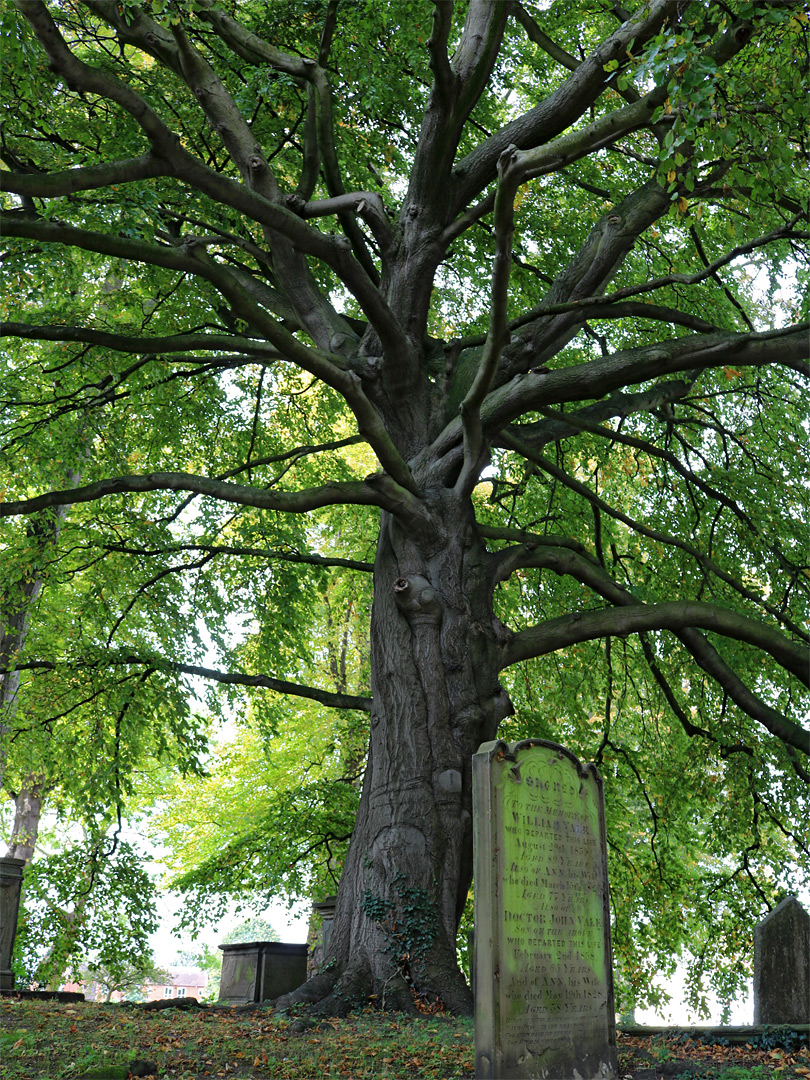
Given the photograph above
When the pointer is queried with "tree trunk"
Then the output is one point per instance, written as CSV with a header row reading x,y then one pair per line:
x,y
27,814
434,657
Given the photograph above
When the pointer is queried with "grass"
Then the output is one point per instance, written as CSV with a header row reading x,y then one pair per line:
x,y
49,1041
45,1040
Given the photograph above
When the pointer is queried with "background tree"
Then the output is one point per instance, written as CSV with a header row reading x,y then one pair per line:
x,y
88,905
128,980
253,929
539,263
273,813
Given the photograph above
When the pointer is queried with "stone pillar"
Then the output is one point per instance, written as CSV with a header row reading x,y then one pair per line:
x,y
319,935
11,873
782,965
543,962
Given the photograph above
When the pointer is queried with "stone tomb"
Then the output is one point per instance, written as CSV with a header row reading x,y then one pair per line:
x,y
543,966
261,971
782,965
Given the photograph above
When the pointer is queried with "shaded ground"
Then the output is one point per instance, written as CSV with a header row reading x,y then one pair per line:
x,y
660,1058
52,1041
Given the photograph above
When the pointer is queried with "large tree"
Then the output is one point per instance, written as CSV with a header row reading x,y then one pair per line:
x,y
518,283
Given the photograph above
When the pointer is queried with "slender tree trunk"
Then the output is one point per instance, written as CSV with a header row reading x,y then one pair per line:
x,y
53,968
27,814
434,655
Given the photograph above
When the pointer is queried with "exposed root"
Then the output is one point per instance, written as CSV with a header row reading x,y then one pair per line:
x,y
334,995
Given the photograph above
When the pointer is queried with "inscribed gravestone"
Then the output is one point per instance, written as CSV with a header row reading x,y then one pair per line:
x,y
782,965
543,967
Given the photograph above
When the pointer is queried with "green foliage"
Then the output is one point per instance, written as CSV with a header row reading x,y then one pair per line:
x,y
253,929
91,907
127,979
273,817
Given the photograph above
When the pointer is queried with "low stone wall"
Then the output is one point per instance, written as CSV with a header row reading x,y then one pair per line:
x,y
734,1035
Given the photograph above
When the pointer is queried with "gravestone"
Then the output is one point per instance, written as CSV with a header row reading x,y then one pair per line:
x,y
782,965
543,965
11,874
261,971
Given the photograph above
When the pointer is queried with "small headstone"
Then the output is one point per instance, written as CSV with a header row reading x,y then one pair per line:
x,y
543,964
261,971
782,965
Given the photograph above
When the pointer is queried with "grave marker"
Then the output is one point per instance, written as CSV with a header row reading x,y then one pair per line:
x,y
543,967
11,875
782,965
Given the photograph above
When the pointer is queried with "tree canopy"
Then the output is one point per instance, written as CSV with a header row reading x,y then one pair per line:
x,y
481,325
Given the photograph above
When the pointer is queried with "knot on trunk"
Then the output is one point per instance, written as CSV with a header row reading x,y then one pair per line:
x,y
417,599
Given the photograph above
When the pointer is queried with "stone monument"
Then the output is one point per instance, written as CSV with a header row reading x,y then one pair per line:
x,y
323,911
782,965
543,964
261,971
11,875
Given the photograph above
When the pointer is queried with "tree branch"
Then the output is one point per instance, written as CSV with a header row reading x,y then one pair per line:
x,y
271,554
145,345
324,697
601,304
559,110
313,360
230,678
678,616
790,347
69,181
496,335
185,166
258,51
560,425
536,35
301,502
703,560
710,660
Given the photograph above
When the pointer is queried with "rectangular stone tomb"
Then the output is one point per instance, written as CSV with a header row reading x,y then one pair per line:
x,y
543,965
261,971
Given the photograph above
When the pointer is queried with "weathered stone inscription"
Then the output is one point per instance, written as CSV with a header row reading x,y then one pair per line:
x,y
544,987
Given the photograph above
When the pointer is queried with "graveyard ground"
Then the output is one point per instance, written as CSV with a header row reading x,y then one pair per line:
x,y
44,1040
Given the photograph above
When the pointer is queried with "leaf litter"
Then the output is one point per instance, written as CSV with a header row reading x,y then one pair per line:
x,y
47,1041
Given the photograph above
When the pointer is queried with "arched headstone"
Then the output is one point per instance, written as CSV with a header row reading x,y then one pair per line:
x,y
543,965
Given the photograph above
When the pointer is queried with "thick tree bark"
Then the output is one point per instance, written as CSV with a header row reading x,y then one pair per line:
x,y
435,658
